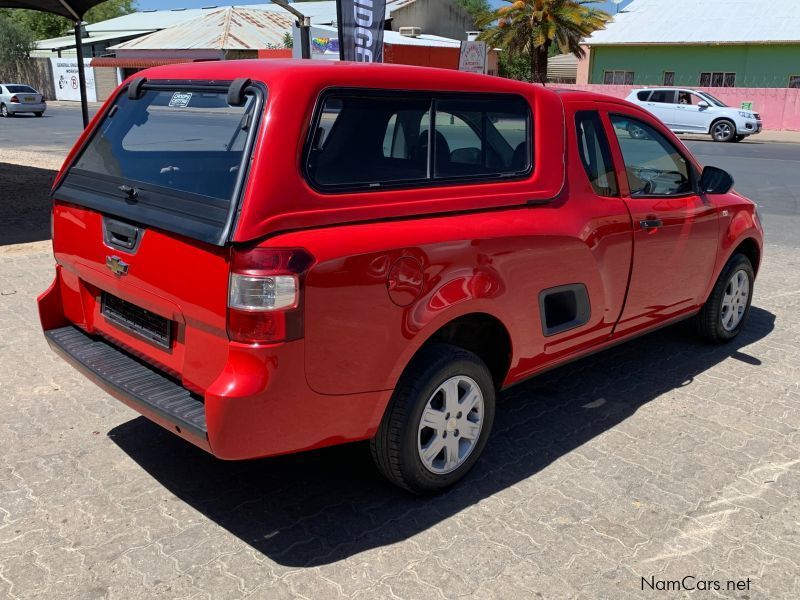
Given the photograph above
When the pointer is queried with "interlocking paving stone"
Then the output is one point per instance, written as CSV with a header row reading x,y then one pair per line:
x,y
663,457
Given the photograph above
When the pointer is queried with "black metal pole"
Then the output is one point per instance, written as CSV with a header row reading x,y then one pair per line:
x,y
81,75
339,25
305,37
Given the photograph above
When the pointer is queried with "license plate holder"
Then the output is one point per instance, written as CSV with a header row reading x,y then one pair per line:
x,y
134,319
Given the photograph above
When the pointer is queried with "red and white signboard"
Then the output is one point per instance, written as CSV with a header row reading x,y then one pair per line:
x,y
65,78
473,57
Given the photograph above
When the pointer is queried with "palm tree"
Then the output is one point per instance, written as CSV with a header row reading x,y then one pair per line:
x,y
531,27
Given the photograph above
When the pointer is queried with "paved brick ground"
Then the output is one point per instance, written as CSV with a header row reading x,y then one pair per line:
x,y
662,458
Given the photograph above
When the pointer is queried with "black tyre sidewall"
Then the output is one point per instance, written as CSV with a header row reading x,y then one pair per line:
x,y
711,315
731,137
442,362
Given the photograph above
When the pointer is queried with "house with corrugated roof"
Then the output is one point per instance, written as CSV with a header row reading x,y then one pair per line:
x,y
708,43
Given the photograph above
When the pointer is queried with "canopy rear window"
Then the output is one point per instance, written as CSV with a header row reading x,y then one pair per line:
x,y
172,158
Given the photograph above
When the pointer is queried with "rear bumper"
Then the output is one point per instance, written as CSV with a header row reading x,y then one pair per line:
x,y
136,383
21,107
258,405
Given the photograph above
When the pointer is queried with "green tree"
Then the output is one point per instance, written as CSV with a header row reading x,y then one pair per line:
x,y
534,28
16,41
476,8
46,25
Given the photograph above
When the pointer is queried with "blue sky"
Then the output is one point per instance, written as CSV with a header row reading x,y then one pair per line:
x,y
162,4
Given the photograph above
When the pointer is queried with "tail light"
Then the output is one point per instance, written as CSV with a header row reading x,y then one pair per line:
x,y
14,100
265,294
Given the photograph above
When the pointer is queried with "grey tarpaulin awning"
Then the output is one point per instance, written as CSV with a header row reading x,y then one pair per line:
x,y
74,11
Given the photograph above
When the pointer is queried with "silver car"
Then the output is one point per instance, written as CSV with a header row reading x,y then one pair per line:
x,y
695,111
20,98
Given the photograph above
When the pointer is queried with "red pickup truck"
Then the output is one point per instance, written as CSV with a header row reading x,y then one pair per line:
x,y
273,256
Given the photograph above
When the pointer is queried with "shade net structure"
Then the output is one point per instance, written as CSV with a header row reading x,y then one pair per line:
x,y
74,11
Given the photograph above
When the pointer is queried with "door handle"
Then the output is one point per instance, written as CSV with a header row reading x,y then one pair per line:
x,y
651,223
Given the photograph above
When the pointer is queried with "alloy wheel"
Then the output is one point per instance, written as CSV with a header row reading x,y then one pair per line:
x,y
734,300
723,130
450,425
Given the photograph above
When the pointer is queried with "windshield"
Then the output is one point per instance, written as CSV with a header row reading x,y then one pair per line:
x,y
712,99
186,141
21,89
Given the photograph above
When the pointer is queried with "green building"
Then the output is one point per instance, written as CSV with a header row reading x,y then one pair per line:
x,y
699,43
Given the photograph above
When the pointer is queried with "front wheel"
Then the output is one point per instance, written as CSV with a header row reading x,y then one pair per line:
x,y
723,131
725,312
437,422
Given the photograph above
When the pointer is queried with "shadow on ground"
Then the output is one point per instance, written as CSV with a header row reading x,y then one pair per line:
x,y
319,507
24,203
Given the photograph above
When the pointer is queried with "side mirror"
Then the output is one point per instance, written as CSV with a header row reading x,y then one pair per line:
x,y
715,181
703,104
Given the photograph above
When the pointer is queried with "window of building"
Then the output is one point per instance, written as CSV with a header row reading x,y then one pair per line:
x,y
794,81
618,77
373,139
653,165
717,79
595,153
669,77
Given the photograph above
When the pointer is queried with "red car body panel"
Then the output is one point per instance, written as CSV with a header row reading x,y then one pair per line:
x,y
391,267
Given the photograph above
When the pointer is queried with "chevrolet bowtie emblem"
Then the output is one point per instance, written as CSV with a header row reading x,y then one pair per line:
x,y
116,265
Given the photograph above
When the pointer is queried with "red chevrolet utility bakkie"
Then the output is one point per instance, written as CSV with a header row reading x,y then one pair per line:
x,y
272,256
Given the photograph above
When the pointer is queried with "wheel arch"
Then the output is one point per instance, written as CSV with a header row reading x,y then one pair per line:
x,y
479,332
750,248
722,118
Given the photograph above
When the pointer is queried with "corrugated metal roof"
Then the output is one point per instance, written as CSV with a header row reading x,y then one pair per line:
x,y
232,28
321,13
393,37
563,66
702,22
68,41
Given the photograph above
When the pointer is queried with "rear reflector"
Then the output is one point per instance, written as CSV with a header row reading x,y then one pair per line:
x,y
265,294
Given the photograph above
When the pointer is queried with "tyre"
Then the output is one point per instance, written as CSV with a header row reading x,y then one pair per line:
x,y
723,130
38,114
725,312
4,111
437,422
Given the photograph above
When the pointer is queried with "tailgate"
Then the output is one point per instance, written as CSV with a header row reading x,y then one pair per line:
x,y
142,217
165,300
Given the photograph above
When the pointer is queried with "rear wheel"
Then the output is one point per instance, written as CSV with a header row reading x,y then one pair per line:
x,y
4,111
725,312
38,114
438,421
723,131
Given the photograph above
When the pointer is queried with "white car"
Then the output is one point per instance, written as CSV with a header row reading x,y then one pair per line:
x,y
693,111
20,98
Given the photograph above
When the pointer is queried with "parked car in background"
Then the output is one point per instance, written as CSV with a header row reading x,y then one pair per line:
x,y
265,257
694,111
20,98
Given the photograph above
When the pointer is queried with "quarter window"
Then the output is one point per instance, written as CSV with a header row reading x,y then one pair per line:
x,y
653,165
595,153
663,96
374,140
